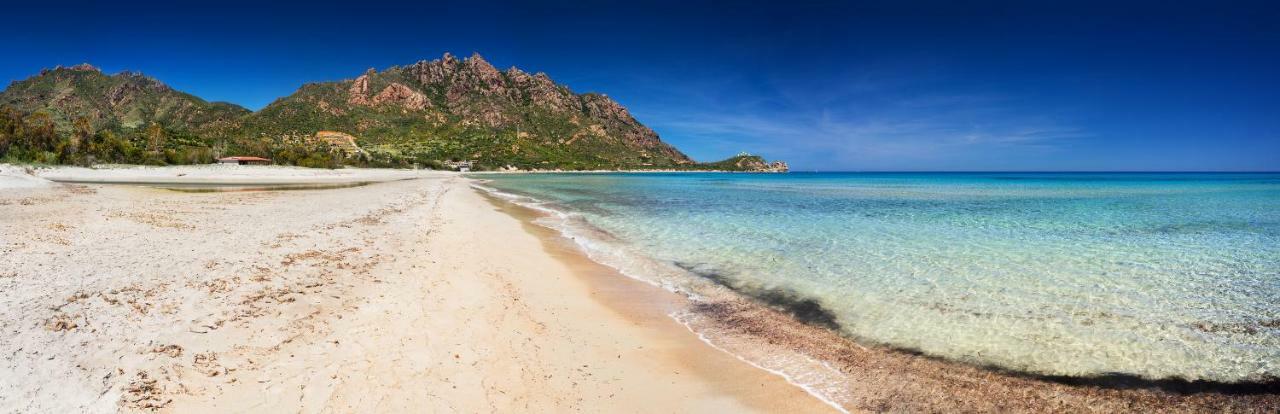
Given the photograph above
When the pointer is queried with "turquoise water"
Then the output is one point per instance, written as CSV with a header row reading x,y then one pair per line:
x,y
1155,275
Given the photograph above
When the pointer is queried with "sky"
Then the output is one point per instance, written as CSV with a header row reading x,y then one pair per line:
x,y
831,85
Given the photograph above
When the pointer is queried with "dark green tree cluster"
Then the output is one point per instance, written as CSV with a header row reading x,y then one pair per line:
x,y
35,138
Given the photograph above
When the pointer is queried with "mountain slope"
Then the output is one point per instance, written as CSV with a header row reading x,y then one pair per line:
x,y
124,101
467,109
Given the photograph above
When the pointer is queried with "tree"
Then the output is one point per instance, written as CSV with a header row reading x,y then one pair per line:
x,y
81,133
112,147
40,134
10,126
72,151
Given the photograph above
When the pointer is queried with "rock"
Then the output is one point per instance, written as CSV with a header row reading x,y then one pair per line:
x,y
85,67
359,89
403,96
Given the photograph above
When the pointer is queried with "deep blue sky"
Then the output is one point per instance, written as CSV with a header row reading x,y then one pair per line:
x,y
892,85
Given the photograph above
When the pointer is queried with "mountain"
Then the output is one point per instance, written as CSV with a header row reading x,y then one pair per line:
x,y
126,101
452,108
746,162
427,113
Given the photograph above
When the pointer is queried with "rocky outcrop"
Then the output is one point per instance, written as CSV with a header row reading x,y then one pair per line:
x,y
753,163
402,96
487,79
747,163
85,67
358,93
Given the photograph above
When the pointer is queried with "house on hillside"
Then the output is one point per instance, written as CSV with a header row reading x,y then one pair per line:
x,y
241,160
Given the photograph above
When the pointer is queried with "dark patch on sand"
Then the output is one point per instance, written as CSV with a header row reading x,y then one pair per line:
x,y
1181,386
218,188
1120,380
712,275
805,309
1244,328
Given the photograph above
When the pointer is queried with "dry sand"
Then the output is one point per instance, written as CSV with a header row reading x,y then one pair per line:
x,y
14,177
405,296
219,174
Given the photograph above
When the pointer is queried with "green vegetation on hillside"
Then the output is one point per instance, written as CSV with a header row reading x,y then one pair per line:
x,y
424,114
36,138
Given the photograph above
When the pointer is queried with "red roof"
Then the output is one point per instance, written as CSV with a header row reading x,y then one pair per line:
x,y
243,159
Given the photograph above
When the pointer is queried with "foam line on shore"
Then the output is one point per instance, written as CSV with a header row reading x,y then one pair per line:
x,y
587,247
790,379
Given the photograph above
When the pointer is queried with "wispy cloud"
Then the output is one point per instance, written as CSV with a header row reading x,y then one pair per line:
x,y
870,123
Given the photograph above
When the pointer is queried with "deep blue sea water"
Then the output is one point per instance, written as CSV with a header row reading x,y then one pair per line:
x,y
1156,275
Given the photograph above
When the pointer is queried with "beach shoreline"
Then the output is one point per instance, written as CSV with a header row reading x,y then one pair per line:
x,y
385,297
855,374
422,293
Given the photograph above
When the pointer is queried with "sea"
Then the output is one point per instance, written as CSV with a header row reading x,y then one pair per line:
x,y
1151,275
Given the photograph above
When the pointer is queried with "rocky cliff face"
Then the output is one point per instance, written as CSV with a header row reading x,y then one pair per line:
x,y
468,109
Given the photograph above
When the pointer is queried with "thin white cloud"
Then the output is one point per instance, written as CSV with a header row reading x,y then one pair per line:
x,y
875,120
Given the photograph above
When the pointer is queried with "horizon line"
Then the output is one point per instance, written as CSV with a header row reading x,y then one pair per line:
x,y
1047,171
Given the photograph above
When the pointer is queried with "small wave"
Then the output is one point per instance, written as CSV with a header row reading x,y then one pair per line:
x,y
809,388
598,245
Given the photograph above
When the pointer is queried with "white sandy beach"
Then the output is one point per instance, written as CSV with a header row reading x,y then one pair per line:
x,y
223,175
405,296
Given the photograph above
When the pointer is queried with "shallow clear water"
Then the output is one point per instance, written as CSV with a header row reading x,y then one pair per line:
x,y
1156,275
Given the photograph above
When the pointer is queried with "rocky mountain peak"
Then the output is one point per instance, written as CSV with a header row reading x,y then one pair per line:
x,y
480,66
448,59
85,67
476,58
